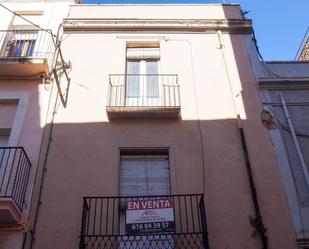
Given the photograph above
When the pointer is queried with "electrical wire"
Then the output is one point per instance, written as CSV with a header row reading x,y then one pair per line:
x,y
202,144
25,19
260,55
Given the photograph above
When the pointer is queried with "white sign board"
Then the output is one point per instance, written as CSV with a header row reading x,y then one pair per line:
x,y
148,216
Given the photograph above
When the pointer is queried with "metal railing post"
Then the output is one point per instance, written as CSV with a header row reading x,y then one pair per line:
x,y
82,244
204,223
143,94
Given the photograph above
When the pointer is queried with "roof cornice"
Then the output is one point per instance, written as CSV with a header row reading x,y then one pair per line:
x,y
192,25
284,83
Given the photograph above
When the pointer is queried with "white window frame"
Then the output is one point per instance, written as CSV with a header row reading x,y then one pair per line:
x,y
142,55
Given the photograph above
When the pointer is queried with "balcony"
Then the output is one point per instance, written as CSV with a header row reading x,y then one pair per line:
x,y
14,174
153,222
25,53
143,96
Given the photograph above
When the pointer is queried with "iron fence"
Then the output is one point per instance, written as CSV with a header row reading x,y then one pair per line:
x,y
14,173
107,222
143,90
18,44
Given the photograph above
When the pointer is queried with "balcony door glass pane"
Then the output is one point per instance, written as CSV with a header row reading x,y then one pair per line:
x,y
152,81
133,79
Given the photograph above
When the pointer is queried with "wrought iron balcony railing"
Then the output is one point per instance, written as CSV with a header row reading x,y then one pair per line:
x,y
144,222
143,90
14,174
23,44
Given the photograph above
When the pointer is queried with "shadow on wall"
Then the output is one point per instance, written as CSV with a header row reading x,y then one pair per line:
x,y
84,161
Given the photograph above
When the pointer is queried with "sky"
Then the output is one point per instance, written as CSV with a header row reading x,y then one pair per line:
x,y
279,25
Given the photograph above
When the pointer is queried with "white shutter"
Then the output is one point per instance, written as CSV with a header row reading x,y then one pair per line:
x,y
132,177
143,53
144,175
158,182
20,23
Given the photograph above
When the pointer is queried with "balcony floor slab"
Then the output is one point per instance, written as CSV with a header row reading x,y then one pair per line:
x,y
23,67
117,112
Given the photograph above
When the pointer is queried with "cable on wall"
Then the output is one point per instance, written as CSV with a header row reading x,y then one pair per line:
x,y
260,55
202,144
256,221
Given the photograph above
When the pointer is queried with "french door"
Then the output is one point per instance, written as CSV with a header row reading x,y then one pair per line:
x,y
144,175
142,83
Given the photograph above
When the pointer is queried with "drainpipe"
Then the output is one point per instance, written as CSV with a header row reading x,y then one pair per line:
x,y
255,221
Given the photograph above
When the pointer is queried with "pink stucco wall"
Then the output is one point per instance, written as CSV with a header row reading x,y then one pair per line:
x,y
7,113
31,124
216,84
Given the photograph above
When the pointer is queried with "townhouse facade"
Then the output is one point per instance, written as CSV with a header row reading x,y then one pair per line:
x,y
147,126
156,141
27,47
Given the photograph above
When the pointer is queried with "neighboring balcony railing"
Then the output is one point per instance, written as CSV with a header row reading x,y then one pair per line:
x,y
14,174
148,222
26,46
131,93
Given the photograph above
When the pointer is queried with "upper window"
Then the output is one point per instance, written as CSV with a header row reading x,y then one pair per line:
x,y
21,39
19,23
142,81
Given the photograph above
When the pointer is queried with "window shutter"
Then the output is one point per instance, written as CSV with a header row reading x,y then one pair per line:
x,y
143,53
132,177
144,175
21,24
158,176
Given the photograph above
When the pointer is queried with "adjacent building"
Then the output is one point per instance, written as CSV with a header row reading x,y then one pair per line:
x,y
28,40
304,53
284,91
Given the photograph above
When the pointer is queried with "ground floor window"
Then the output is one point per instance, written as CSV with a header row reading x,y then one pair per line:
x,y
144,174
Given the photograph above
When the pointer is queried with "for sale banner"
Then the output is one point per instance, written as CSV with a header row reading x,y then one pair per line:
x,y
148,216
